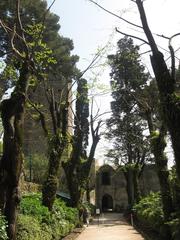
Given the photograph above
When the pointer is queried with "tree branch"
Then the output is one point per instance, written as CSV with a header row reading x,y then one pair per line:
x,y
41,115
115,15
129,35
173,68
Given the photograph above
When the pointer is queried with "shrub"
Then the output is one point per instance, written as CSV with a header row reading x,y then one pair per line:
x,y
36,222
63,219
29,228
31,205
3,235
149,211
90,207
69,214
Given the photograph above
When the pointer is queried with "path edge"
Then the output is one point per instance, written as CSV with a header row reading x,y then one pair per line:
x,y
74,234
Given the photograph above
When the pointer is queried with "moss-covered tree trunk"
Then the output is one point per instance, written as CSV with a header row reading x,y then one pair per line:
x,y
75,188
57,142
170,102
56,148
77,172
88,197
158,145
137,192
12,113
128,173
72,169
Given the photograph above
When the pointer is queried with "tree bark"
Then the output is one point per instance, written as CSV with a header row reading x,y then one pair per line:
x,y
77,172
56,138
129,186
137,192
50,185
158,145
170,103
12,113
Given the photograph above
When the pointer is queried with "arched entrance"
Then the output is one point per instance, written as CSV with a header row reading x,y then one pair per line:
x,y
107,203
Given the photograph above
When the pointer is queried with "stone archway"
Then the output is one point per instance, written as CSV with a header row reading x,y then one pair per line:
x,y
107,203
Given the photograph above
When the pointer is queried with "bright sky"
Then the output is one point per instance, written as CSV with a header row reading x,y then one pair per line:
x,y
90,28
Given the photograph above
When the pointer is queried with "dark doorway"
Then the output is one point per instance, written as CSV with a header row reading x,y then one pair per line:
x,y
107,203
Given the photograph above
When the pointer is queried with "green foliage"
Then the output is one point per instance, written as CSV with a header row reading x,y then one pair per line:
x,y
63,219
3,235
81,119
31,205
29,228
126,125
90,207
36,222
70,214
175,228
149,211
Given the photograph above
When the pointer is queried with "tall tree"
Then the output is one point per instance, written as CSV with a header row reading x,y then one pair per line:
x,y
12,113
126,126
148,103
28,57
77,168
49,91
73,167
166,82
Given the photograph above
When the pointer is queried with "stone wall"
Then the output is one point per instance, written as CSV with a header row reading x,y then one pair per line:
x,y
113,195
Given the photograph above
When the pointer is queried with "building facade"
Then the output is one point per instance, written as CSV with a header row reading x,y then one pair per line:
x,y
111,187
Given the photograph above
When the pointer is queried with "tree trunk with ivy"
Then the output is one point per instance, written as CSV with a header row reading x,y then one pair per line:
x,y
128,173
50,185
137,191
77,172
57,142
12,113
77,168
74,172
74,184
132,175
158,144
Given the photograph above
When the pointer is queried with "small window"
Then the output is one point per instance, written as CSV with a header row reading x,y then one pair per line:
x,y
106,178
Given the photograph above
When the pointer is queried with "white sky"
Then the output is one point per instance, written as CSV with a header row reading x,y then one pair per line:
x,y
90,28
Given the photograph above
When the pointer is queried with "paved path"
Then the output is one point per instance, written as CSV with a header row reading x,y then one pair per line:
x,y
112,226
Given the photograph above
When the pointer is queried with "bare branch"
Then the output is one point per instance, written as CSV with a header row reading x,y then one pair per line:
x,y
173,69
129,35
115,15
147,31
12,44
41,115
145,52
19,23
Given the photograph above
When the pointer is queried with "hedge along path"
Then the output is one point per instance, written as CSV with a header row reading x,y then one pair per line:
x,y
110,226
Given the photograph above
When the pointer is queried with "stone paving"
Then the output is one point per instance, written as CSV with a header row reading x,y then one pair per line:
x,y
110,226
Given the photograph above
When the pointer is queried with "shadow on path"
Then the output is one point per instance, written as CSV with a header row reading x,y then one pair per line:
x,y
109,219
